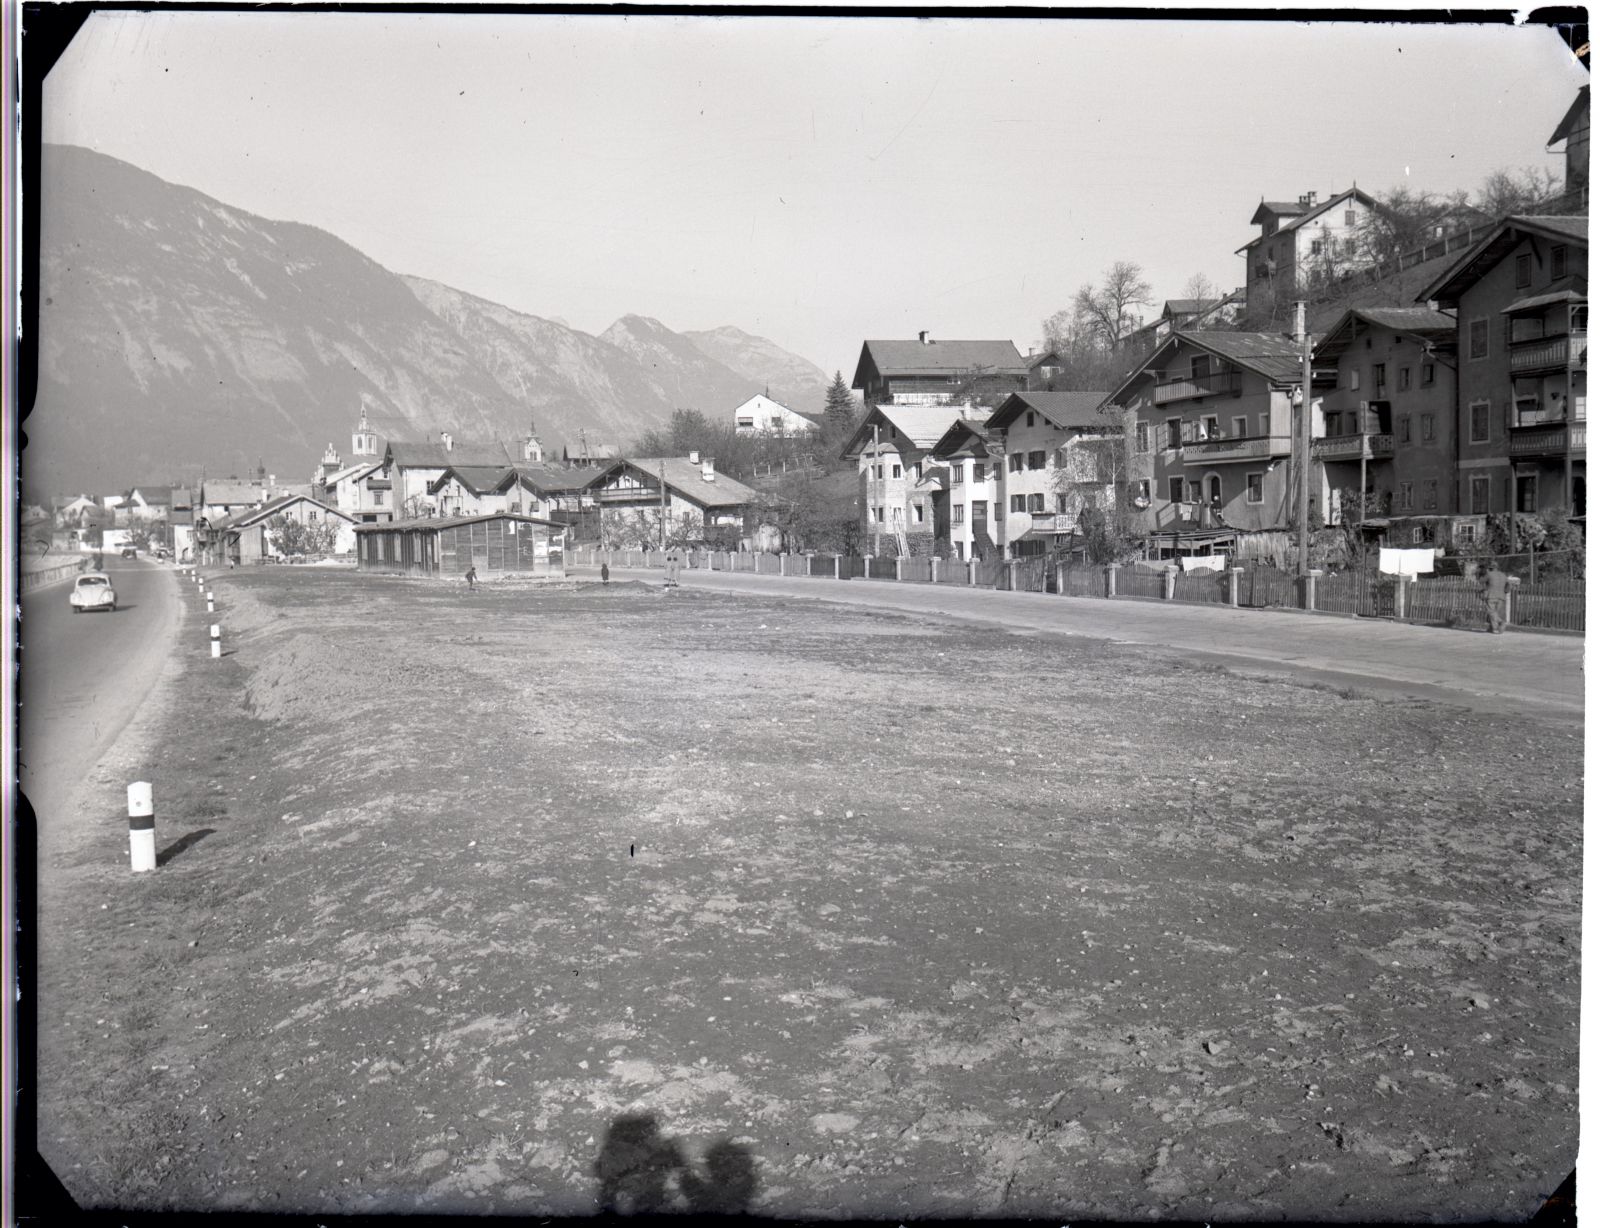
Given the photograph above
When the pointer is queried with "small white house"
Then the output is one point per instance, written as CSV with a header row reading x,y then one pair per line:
x,y
761,415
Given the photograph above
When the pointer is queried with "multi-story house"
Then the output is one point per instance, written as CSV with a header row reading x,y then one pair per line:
x,y
972,459
1210,416
1185,314
761,415
1388,408
413,467
1299,240
1574,130
1057,462
469,490
1520,296
629,494
899,478
930,372
552,492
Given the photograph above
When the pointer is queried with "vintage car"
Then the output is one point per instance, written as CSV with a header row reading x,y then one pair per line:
x,y
92,591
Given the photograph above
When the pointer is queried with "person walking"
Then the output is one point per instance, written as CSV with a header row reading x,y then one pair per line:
x,y
1495,587
472,577
672,567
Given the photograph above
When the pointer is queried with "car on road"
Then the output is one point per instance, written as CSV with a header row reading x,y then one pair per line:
x,y
163,553
93,591
128,552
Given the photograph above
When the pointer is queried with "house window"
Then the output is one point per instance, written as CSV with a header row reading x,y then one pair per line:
x,y
1240,427
1036,503
1253,488
894,471
1404,500
1061,503
1427,375
897,514
1404,432
1524,270
1466,533
1478,339
1266,424
1174,432
958,514
980,509
1316,247
1175,490
1405,378
1014,462
747,424
1210,428
1141,435
1480,421
1349,217
1430,494
1349,247
1030,417
1528,492
916,509
1558,261
1380,376
1194,492
377,498
977,471
958,472
1141,491
999,511
1355,380
879,513
1036,460
1427,428
1480,496
1019,503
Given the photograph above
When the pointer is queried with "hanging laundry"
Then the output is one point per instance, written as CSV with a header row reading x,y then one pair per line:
x,y
1389,560
1417,562
1204,562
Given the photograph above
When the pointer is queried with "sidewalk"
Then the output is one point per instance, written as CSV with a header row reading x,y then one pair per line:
x,y
1539,672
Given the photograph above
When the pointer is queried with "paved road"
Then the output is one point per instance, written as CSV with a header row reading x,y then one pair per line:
x,y
1534,672
84,676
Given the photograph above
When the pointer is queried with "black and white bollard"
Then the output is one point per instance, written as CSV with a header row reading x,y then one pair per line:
x,y
211,602
216,641
141,826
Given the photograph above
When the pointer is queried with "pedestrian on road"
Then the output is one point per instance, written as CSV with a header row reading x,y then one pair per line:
x,y
672,567
605,573
472,577
1495,587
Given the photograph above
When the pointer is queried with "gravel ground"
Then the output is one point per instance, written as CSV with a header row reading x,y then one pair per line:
x,y
547,897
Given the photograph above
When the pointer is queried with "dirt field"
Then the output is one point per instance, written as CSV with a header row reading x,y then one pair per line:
x,y
521,900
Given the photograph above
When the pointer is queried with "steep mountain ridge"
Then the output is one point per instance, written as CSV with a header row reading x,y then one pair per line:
x,y
787,377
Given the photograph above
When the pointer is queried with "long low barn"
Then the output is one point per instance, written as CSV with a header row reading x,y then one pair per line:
x,y
496,543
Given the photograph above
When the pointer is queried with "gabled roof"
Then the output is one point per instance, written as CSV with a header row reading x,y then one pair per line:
x,y
1276,208
596,451
1424,323
548,479
1578,110
1186,306
684,477
1572,289
450,522
153,496
1272,355
408,454
889,358
1039,360
962,433
359,470
229,492
1310,215
252,515
922,425
1490,250
479,479
1063,410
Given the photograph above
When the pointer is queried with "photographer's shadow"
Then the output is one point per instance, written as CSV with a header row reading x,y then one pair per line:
x,y
642,1171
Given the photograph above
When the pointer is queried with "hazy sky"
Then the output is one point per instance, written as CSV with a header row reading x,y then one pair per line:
x,y
816,181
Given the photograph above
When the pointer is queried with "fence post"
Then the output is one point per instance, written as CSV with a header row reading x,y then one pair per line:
x,y
1011,575
1233,585
1512,584
1308,596
836,566
899,566
933,570
1111,579
972,572
1169,581
1399,597
783,564
1061,579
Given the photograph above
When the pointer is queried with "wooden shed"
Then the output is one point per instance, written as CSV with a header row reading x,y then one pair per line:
x,y
496,543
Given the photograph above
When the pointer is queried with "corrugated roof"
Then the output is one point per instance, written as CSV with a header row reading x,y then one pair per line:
x,y
1270,354
450,522
1063,409
945,357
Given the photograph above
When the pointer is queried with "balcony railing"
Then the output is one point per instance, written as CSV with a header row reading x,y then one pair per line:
x,y
1054,522
1549,353
1236,448
1352,447
1198,386
1549,440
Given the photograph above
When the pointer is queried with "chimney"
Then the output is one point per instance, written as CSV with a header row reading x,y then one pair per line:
x,y
708,470
923,337
444,437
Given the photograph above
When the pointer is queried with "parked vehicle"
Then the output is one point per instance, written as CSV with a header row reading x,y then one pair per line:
x,y
128,552
93,591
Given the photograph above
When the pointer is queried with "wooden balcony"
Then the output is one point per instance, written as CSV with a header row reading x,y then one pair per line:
x,y
1235,448
1550,439
1353,447
1549,354
1218,383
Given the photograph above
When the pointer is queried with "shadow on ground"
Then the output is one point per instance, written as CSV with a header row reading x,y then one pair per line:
x,y
642,1171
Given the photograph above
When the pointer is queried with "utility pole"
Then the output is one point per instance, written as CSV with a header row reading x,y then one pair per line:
x,y
661,473
1302,440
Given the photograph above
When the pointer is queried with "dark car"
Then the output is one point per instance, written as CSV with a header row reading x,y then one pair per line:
x,y
128,552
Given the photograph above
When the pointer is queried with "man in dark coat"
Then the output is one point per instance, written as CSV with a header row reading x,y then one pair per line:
x,y
1495,586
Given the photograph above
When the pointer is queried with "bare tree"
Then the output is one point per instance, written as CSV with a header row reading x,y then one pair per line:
x,y
1202,288
1506,191
1107,313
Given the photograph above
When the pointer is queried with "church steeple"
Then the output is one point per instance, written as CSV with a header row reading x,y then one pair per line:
x,y
364,442
532,449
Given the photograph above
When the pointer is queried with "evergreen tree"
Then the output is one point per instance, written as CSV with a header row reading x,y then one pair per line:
x,y
840,409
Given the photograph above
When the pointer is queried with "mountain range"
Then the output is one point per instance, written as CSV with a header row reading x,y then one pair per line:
x,y
177,334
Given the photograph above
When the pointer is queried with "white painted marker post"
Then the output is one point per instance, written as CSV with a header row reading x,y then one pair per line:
x,y
141,826
211,602
216,641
